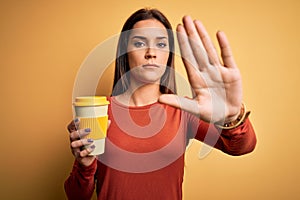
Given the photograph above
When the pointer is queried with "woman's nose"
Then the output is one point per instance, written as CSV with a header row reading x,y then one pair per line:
x,y
150,53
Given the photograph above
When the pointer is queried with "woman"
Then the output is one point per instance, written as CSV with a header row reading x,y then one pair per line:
x,y
150,126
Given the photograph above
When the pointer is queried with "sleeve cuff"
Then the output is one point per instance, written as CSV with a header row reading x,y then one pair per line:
x,y
85,170
241,129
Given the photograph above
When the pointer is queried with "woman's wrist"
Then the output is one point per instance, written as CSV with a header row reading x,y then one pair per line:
x,y
236,121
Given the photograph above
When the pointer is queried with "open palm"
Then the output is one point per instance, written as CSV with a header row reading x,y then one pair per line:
x,y
216,84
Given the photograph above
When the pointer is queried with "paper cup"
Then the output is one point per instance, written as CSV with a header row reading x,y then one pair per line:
x,y
92,113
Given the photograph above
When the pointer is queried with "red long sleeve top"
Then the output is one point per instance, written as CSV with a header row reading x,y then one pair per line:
x,y
144,153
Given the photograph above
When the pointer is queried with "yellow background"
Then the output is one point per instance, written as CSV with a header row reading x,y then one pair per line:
x,y
43,43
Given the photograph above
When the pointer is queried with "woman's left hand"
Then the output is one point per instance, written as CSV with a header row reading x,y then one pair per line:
x,y
216,84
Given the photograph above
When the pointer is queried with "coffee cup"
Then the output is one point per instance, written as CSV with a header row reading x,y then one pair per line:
x,y
92,113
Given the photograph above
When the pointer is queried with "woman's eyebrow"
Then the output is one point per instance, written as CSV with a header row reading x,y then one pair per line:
x,y
144,38
162,37
139,37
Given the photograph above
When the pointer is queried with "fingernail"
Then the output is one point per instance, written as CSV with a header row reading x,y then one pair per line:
x,y
87,130
93,147
90,140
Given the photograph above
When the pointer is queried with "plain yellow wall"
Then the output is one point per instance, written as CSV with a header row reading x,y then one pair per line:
x,y
43,43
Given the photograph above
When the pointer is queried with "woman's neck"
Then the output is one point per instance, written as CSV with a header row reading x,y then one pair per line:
x,y
140,96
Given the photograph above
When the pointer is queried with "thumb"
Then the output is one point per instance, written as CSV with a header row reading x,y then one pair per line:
x,y
183,103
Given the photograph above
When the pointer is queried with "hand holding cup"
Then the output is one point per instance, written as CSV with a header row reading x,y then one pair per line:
x,y
88,131
78,142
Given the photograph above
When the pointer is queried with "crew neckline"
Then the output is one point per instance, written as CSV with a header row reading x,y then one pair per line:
x,y
115,101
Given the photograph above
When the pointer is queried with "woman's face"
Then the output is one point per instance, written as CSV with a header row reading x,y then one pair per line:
x,y
148,51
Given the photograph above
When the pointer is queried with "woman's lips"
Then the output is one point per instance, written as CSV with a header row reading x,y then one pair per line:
x,y
150,66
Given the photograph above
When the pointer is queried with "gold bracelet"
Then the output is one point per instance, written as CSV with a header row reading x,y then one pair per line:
x,y
240,119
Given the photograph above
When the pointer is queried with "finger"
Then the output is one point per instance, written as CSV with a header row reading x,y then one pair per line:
x,y
87,151
208,45
185,49
82,142
187,55
76,152
226,52
75,135
73,126
196,43
186,104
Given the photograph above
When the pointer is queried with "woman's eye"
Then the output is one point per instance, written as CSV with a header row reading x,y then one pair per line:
x,y
139,44
161,45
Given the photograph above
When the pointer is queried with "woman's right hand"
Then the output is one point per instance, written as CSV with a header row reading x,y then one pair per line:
x,y
78,142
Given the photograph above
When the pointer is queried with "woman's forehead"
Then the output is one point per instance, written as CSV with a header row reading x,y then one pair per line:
x,y
149,27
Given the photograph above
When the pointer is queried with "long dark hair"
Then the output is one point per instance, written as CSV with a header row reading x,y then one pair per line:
x,y
121,78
